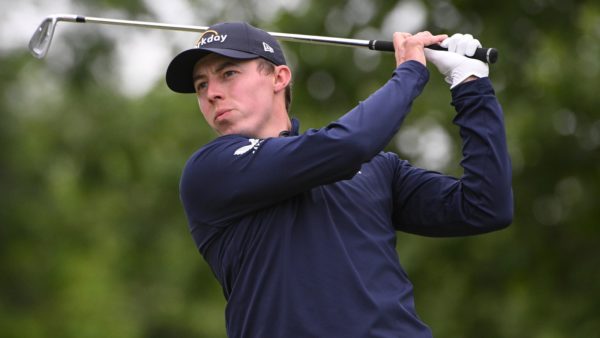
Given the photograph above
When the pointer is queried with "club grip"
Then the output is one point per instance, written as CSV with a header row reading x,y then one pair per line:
x,y
487,55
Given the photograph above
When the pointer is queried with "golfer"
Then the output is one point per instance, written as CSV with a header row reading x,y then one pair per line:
x,y
300,228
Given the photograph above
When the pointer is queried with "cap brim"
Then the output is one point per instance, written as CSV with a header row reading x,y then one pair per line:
x,y
180,71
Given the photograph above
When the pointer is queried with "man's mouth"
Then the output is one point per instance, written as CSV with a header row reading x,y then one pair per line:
x,y
220,113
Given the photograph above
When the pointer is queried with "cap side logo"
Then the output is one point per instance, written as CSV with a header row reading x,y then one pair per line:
x,y
268,48
208,37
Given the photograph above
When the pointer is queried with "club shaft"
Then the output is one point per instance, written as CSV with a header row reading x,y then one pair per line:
x,y
141,24
188,28
488,55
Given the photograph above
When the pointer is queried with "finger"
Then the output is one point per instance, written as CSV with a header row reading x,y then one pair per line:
x,y
399,38
453,42
445,43
463,44
472,47
440,38
402,34
424,34
429,39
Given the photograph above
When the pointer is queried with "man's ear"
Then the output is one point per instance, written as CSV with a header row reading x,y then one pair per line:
x,y
281,77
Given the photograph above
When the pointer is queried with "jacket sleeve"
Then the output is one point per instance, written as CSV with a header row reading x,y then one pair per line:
x,y
431,204
235,175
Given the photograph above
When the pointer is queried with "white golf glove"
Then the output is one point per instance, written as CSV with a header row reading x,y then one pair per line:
x,y
453,64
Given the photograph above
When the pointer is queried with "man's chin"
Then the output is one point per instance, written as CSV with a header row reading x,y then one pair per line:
x,y
225,128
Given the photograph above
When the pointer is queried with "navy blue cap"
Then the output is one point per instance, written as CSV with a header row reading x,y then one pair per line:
x,y
237,40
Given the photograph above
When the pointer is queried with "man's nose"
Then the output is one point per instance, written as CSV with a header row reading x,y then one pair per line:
x,y
214,91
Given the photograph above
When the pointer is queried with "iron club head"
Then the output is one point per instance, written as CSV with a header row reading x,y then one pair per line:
x,y
42,37
39,44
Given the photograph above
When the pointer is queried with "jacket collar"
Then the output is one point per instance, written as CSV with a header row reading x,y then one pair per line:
x,y
294,131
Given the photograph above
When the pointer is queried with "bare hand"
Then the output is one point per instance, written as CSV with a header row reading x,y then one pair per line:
x,y
410,47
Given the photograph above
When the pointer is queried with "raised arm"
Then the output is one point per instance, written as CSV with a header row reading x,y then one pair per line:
x,y
431,204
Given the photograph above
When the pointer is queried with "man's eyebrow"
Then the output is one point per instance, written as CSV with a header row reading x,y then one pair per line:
x,y
221,66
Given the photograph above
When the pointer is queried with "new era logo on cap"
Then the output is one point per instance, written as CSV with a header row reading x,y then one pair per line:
x,y
268,48
237,40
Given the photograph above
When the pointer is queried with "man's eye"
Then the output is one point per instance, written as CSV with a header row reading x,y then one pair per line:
x,y
229,73
201,85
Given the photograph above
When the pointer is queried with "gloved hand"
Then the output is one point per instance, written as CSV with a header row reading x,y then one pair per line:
x,y
453,64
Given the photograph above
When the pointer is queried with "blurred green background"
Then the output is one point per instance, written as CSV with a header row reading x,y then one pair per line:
x,y
94,241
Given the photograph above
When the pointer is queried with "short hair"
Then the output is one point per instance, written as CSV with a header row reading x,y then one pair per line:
x,y
268,67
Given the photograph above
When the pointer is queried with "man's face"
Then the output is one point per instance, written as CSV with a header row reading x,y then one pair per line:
x,y
234,96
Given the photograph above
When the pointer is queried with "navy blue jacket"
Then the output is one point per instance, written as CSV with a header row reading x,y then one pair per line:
x,y
300,230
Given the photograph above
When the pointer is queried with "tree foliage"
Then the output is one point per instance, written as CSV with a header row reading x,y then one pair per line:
x,y
94,242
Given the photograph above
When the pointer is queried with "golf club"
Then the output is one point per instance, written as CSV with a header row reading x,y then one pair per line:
x,y
42,37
